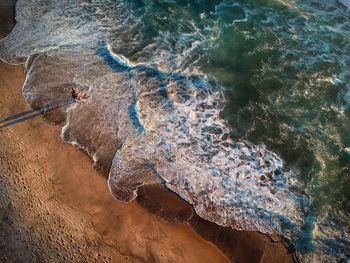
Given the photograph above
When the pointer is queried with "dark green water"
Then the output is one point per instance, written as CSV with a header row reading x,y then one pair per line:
x,y
282,88
284,66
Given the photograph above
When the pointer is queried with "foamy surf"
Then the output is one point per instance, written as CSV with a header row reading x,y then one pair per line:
x,y
149,118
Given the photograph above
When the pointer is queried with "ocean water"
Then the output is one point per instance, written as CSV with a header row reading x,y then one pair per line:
x,y
242,108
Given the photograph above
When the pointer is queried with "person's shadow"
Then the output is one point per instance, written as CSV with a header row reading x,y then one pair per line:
x,y
30,114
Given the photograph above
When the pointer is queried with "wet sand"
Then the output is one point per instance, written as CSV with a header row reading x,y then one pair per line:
x,y
7,20
54,207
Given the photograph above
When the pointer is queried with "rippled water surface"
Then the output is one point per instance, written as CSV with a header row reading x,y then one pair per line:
x,y
284,66
240,107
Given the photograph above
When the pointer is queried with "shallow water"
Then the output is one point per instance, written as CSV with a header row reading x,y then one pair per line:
x,y
240,107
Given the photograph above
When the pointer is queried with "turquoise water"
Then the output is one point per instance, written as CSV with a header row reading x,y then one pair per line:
x,y
284,66
286,85
189,92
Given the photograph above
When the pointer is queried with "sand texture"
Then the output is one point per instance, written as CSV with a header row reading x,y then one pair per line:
x,y
55,207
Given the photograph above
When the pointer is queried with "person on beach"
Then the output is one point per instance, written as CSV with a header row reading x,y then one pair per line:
x,y
78,95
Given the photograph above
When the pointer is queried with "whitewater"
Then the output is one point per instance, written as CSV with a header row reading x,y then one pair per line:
x,y
155,98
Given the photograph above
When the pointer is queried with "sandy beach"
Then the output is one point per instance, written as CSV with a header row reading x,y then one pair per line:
x,y
55,207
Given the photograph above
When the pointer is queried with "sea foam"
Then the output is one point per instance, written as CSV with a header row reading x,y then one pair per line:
x,y
148,120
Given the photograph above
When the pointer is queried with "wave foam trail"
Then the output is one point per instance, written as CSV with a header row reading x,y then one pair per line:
x,y
186,142
147,120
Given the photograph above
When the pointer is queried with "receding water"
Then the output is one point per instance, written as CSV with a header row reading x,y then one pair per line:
x,y
189,92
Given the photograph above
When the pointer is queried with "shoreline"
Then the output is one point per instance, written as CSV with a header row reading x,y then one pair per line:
x,y
62,184
55,206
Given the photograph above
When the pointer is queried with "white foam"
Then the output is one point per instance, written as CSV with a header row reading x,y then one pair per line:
x,y
120,59
230,183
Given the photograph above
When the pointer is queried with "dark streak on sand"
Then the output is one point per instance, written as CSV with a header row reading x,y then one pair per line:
x,y
27,115
238,246
7,19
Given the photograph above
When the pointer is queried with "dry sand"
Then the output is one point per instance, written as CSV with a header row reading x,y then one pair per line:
x,y
54,207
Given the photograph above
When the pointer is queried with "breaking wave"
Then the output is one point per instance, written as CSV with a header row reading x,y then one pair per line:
x,y
156,87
